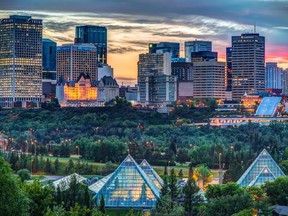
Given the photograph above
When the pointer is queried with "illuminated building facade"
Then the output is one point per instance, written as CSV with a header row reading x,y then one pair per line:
x,y
20,60
248,64
250,103
80,90
129,186
196,46
96,35
72,60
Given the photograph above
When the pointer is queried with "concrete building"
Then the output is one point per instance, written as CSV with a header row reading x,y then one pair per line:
x,y
96,35
108,89
273,76
20,60
165,47
204,56
78,92
105,70
209,79
248,64
72,60
196,46
182,70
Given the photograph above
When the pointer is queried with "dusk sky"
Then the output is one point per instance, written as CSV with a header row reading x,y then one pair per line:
x,y
132,24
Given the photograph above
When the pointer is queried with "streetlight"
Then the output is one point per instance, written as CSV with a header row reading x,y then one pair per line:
x,y
77,147
220,170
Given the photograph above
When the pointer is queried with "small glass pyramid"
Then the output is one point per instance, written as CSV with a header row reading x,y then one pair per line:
x,y
263,169
151,174
127,187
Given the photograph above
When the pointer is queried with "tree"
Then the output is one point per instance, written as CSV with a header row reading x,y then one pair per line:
x,y
56,164
277,191
172,184
41,198
13,197
48,166
166,208
284,166
102,204
24,174
180,174
57,210
203,175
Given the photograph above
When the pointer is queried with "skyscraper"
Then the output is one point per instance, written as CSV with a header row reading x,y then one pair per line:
x,y
165,47
196,46
248,64
228,75
273,76
72,60
96,35
20,60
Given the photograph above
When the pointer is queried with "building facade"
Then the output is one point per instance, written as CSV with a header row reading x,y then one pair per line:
x,y
72,60
285,82
105,70
108,89
209,79
273,76
165,47
20,60
182,70
81,90
96,35
196,46
204,56
228,75
248,64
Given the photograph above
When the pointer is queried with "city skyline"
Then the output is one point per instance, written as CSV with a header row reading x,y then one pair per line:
x,y
131,27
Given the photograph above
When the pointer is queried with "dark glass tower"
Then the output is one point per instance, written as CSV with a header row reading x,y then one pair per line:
x,y
49,55
96,35
20,60
248,64
165,47
228,69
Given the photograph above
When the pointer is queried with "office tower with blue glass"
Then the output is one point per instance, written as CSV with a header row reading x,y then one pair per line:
x,y
248,64
20,60
96,35
196,46
273,76
228,76
165,47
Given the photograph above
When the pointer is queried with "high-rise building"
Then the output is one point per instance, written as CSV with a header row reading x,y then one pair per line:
x,y
209,79
196,46
285,82
156,85
96,35
204,56
248,64
20,60
228,76
72,60
165,47
273,76
182,70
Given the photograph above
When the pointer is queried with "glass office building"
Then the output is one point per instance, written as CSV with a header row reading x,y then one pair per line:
x,y
96,35
165,47
20,60
127,187
263,169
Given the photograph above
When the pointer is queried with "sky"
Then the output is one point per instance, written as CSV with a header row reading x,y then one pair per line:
x,y
132,24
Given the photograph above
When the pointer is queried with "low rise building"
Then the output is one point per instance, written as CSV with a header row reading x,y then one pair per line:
x,y
108,89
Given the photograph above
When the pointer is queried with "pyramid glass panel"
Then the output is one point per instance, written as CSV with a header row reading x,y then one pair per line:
x,y
268,106
127,187
263,169
151,174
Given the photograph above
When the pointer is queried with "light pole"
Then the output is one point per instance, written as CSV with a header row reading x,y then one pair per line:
x,y
77,147
220,170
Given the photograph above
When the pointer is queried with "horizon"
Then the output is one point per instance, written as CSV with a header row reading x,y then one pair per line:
x,y
131,27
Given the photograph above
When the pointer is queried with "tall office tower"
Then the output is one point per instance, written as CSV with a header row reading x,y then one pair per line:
x,y
273,76
72,60
285,82
196,46
49,68
228,75
156,85
248,64
209,79
204,56
165,47
96,35
20,60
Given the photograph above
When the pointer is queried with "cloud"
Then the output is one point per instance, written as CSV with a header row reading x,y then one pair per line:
x,y
282,27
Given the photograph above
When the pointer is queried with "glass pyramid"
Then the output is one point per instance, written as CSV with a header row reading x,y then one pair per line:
x,y
151,174
263,169
127,187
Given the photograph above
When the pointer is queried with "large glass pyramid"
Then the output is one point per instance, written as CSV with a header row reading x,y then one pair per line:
x,y
127,187
263,169
151,174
